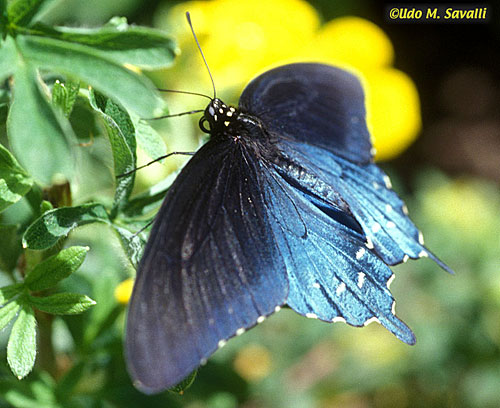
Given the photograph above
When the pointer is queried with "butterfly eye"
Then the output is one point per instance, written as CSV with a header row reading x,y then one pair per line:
x,y
204,120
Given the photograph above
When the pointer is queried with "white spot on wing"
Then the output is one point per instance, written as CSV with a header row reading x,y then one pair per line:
x,y
361,279
405,209
360,253
221,110
373,151
240,331
387,181
390,224
376,227
211,111
420,238
230,113
203,361
221,343
226,123
405,258
316,285
277,309
338,319
260,319
311,315
393,307
388,207
369,243
376,185
390,281
423,254
340,289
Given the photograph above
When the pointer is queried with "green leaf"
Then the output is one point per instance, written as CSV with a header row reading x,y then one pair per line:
x,y
21,348
54,224
33,122
21,12
62,303
14,181
148,139
121,135
8,312
134,92
132,244
142,47
8,292
64,96
184,384
46,274
8,58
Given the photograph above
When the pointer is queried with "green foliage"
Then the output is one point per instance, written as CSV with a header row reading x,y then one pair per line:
x,y
31,116
49,272
14,181
49,75
64,96
21,350
62,303
94,57
22,12
58,223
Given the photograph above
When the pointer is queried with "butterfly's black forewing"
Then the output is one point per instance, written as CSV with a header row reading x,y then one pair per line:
x,y
210,269
315,104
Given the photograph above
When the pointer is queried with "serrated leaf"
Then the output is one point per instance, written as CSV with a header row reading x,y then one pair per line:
x,y
14,181
33,122
21,12
142,47
133,91
184,384
64,96
57,223
121,135
62,303
9,291
8,312
21,348
8,58
46,274
148,139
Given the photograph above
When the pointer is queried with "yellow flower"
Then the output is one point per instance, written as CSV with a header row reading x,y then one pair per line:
x,y
124,290
253,362
242,39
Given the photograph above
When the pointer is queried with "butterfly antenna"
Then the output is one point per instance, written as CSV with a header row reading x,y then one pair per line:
x,y
184,92
201,52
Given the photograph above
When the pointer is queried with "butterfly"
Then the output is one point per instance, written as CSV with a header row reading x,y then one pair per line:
x,y
283,206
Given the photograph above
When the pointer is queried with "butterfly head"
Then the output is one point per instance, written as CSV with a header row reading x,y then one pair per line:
x,y
218,115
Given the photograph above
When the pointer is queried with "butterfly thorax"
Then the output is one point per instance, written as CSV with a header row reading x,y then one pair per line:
x,y
229,123
219,116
